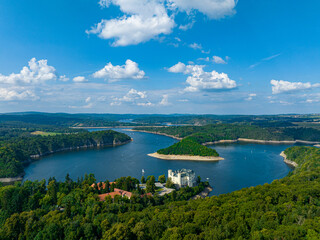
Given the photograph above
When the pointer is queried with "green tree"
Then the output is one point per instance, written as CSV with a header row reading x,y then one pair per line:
x,y
162,178
150,186
143,180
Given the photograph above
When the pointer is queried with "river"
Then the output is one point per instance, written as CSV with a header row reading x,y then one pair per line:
x,y
245,165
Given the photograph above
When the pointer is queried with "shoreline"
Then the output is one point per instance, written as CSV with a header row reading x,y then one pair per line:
x,y
70,149
287,161
203,194
236,140
11,179
318,145
163,134
33,158
185,157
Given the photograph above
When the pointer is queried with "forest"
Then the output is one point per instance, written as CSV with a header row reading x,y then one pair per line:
x,y
216,132
288,208
16,151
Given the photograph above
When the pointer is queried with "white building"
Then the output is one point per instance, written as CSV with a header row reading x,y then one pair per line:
x,y
183,177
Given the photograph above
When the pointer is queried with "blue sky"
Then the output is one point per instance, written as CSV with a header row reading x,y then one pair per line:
x,y
160,56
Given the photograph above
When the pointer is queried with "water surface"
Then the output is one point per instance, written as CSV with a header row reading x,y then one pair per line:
x,y
245,165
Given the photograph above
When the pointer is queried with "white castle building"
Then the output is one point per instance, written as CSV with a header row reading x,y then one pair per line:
x,y
183,177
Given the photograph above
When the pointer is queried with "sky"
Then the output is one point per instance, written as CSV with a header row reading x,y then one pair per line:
x,y
160,56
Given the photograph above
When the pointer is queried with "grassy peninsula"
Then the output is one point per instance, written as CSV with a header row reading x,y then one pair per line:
x,y
285,209
16,151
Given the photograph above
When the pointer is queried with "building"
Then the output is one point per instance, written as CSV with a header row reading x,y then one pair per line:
x,y
117,192
183,177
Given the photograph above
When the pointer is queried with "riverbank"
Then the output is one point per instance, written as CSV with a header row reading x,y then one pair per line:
x,y
115,144
318,145
157,133
11,180
203,194
236,140
185,157
287,161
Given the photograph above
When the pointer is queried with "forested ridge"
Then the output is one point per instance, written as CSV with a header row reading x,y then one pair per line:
x,y
216,132
285,209
17,150
194,136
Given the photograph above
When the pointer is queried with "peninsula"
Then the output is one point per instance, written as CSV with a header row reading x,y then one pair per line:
x,y
187,149
194,139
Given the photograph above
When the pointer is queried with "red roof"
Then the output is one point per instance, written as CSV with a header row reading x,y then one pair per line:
x,y
116,192
102,185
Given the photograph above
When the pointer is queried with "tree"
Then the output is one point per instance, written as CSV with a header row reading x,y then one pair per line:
x,y
143,180
198,180
112,187
162,178
169,183
151,187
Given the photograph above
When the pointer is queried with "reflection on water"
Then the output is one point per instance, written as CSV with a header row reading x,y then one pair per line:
x,y
245,165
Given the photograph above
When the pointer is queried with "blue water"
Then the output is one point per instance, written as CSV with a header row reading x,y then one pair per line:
x,y
245,165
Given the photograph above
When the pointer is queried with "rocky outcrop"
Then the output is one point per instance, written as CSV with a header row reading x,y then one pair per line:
x,y
287,161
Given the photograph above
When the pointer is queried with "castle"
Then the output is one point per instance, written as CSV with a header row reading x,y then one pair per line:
x,y
183,177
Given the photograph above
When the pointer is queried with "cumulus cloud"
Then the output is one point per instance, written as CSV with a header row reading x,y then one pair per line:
x,y
178,68
12,94
79,79
280,86
199,80
147,19
214,9
135,97
143,20
128,71
36,72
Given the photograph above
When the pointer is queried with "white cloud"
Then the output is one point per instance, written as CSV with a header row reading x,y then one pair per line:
x,y
218,60
286,87
79,79
134,97
11,95
195,46
88,99
251,96
147,19
214,9
178,68
264,60
164,101
128,71
186,26
63,78
37,72
201,80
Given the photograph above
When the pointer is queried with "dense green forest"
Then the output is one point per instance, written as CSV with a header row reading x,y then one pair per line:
x,y
216,132
285,209
15,151
188,147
